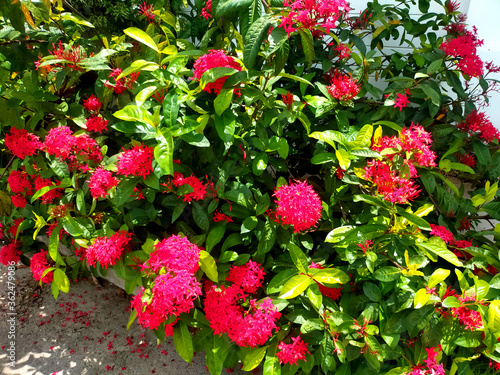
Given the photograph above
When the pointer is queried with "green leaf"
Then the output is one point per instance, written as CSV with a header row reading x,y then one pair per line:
x,y
387,274
414,219
171,109
298,257
183,341
443,252
5,204
295,286
61,280
437,277
124,190
329,276
253,358
254,39
215,235
372,291
207,264
223,101
164,151
142,37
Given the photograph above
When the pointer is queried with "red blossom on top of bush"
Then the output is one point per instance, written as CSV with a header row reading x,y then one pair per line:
x,y
38,266
108,250
298,205
214,59
136,161
10,253
293,352
22,143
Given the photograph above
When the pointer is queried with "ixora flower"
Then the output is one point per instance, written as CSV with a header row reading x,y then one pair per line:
x,y
10,253
136,161
108,250
291,353
342,87
298,205
38,265
22,143
311,14
214,59
101,182
175,253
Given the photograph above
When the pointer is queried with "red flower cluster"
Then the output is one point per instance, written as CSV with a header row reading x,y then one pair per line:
x,y
312,14
175,253
469,318
291,353
38,265
175,260
431,367
298,205
214,59
10,253
342,87
480,124
464,46
101,182
392,183
108,250
330,292
226,315
206,12
199,190
136,161
22,143
121,84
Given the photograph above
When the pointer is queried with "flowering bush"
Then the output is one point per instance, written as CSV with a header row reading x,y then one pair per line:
x,y
273,185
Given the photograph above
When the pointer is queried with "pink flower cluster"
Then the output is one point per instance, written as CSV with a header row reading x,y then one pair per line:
x,y
76,151
199,189
464,46
394,185
101,182
471,319
226,315
480,124
10,253
214,59
108,250
291,353
38,265
431,367
22,143
298,205
312,14
136,161
175,261
342,87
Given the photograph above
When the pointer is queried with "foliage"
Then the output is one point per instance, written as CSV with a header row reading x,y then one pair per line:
x,y
135,141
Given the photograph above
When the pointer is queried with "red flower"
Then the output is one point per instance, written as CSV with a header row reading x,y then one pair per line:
x,y
137,161
39,265
206,12
22,143
10,253
291,353
147,10
108,250
96,124
92,104
214,59
342,87
101,182
298,205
